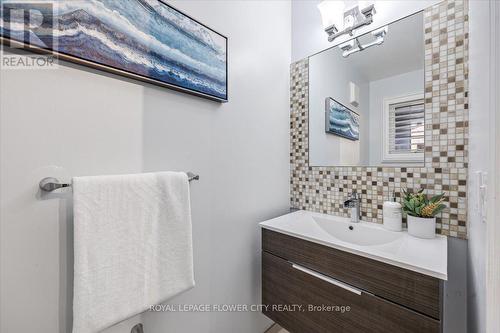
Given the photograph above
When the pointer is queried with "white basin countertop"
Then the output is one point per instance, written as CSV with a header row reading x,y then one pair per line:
x,y
367,239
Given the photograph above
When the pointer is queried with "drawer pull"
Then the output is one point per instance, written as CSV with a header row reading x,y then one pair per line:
x,y
327,279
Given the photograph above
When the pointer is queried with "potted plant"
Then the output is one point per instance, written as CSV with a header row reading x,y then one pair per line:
x,y
421,212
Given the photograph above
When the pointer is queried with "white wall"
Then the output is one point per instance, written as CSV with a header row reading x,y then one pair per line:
x,y
329,76
309,37
479,160
394,86
89,123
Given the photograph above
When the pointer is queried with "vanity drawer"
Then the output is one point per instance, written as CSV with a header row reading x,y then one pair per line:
x,y
285,284
413,290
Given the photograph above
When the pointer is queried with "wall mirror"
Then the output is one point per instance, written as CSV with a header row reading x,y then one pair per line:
x,y
366,107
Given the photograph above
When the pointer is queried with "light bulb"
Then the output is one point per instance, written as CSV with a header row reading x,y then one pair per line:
x,y
332,12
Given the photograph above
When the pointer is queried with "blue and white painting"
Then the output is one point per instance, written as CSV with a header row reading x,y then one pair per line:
x,y
341,121
146,38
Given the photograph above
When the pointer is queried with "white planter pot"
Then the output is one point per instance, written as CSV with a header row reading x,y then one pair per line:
x,y
422,227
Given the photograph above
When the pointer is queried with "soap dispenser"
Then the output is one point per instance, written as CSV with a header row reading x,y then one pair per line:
x,y
393,215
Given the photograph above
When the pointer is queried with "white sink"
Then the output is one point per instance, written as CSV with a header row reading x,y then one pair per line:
x,y
357,233
367,239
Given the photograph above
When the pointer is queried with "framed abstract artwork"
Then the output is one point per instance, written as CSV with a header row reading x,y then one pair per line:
x,y
340,120
147,40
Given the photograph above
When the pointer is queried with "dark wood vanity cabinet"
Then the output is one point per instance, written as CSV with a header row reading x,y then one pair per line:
x,y
307,287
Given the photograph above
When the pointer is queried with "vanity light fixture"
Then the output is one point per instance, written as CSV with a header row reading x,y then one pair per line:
x,y
335,16
354,45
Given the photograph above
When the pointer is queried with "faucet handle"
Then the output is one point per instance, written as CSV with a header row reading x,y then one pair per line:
x,y
355,195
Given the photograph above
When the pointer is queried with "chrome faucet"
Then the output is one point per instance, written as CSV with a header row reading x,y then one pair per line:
x,y
354,202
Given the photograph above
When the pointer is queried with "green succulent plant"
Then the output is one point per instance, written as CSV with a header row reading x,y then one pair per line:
x,y
419,205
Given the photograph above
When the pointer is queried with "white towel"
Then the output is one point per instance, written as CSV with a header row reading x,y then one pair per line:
x,y
133,245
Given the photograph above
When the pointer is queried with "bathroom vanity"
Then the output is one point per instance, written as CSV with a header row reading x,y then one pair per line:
x,y
321,273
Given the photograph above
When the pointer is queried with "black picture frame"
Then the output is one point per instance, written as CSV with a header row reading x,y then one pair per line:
x,y
7,41
327,119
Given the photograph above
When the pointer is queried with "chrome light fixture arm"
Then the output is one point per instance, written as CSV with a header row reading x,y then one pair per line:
x,y
357,19
348,48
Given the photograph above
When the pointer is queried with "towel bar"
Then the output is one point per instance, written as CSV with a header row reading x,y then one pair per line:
x,y
50,184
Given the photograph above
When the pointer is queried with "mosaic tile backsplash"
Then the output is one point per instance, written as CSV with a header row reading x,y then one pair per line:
x,y
324,189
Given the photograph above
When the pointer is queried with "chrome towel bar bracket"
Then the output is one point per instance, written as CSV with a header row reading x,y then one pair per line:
x,y
192,176
50,184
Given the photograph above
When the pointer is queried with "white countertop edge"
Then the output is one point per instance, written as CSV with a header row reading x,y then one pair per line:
x,y
396,263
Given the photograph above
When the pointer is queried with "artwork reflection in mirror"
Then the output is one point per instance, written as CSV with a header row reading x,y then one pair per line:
x,y
340,120
374,110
